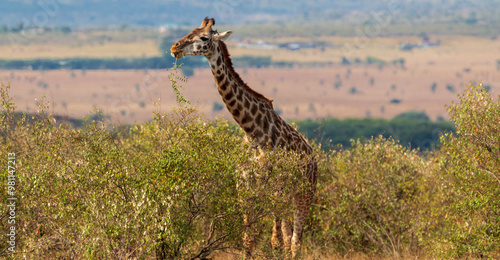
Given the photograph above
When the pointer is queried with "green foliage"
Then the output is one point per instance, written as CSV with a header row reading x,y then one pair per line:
x,y
178,188
471,168
173,77
171,188
369,201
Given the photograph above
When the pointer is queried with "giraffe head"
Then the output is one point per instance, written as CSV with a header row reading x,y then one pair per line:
x,y
200,41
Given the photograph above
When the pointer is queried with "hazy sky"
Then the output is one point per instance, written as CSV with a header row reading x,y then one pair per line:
x,y
154,12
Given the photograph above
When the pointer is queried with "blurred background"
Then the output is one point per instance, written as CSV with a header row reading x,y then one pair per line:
x,y
327,64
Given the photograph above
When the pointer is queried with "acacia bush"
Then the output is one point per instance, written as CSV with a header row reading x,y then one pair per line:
x,y
173,188
469,208
368,199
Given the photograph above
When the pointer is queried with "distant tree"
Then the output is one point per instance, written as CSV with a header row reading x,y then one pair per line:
x,y
252,61
487,87
450,88
472,19
278,111
217,107
411,132
433,87
187,71
124,27
312,108
18,28
402,62
424,36
413,115
345,61
65,29
337,84
374,60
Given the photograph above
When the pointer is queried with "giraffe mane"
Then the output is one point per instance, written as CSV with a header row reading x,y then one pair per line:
x,y
229,63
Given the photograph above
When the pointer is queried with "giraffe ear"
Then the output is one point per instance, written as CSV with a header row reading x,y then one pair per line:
x,y
222,36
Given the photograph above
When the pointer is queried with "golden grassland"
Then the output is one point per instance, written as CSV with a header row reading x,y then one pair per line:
x,y
93,43
105,49
299,92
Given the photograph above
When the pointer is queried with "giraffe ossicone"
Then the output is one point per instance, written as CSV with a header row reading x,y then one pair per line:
x,y
263,127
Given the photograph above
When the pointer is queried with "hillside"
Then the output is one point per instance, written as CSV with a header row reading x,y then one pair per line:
x,y
156,12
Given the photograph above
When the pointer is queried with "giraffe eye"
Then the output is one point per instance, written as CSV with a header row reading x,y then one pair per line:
x,y
204,38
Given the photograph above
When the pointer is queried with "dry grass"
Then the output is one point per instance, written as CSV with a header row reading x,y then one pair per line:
x,y
93,43
317,255
105,49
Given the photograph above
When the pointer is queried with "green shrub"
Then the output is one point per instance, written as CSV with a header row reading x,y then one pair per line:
x,y
470,168
171,188
368,199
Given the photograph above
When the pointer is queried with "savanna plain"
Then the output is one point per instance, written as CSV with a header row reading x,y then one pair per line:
x,y
381,80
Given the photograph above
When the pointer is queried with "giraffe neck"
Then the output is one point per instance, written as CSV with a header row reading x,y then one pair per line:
x,y
250,109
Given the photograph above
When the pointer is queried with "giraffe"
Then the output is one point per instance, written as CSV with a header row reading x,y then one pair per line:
x,y
263,127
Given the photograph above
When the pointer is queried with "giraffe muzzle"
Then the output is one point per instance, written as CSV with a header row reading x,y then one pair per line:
x,y
175,51
176,55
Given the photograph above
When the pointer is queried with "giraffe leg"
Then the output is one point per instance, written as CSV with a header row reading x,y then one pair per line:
x,y
248,237
277,237
286,229
301,204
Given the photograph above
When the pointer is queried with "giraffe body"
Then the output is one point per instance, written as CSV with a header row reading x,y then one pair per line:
x,y
263,127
